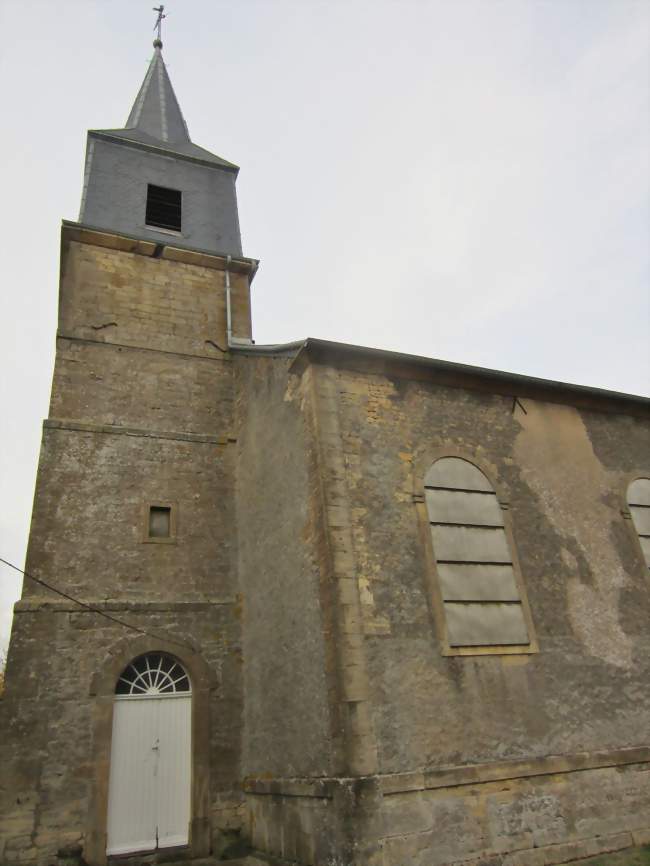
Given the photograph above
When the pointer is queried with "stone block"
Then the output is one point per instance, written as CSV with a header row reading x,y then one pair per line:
x,y
18,843
641,837
405,814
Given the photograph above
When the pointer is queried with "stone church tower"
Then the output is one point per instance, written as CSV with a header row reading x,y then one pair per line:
x,y
134,512
320,603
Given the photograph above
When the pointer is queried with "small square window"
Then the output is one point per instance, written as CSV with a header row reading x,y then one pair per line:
x,y
163,207
159,522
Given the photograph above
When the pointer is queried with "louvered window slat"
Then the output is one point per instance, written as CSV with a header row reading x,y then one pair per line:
x,y
638,500
164,208
481,600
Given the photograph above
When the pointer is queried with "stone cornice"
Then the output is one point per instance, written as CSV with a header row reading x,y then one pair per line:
x,y
72,231
453,777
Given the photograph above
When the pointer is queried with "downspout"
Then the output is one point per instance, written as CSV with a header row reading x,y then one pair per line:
x,y
245,344
228,307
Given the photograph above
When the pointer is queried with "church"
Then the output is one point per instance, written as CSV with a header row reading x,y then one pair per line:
x,y
309,603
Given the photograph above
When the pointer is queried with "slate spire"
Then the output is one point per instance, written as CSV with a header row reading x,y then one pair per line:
x,y
128,169
156,111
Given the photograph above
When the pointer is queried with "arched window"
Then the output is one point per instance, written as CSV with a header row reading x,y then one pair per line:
x,y
478,585
153,674
638,500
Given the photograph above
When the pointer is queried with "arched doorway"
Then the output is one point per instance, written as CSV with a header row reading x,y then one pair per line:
x,y
149,795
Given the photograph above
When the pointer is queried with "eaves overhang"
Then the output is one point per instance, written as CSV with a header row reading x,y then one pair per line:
x,y
448,373
209,160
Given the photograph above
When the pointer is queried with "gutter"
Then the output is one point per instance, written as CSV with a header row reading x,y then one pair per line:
x,y
448,373
454,374
244,345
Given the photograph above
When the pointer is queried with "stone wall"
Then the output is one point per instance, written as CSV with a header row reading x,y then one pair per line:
x,y
330,722
89,517
135,294
518,815
306,692
513,760
112,385
527,813
288,719
565,474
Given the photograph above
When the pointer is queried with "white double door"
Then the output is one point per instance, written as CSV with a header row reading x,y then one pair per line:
x,y
150,778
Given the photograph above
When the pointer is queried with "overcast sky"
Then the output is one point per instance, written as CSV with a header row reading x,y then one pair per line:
x,y
462,179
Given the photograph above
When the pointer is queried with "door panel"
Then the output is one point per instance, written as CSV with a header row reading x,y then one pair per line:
x,y
132,791
174,771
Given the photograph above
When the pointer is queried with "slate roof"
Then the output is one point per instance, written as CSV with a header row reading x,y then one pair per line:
x,y
156,119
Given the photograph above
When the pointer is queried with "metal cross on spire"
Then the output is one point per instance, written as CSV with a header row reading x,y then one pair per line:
x,y
158,25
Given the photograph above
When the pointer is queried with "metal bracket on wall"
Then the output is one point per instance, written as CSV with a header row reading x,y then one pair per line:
x,y
517,402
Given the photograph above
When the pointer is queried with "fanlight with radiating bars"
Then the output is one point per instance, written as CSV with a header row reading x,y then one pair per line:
x,y
151,675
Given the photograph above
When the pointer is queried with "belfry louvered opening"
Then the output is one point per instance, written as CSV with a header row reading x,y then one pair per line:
x,y
481,599
638,500
163,207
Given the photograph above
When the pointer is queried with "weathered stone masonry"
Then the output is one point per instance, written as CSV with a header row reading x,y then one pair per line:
x,y
328,725
526,759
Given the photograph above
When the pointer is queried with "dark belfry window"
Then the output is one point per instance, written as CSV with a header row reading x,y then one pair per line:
x,y
159,522
163,207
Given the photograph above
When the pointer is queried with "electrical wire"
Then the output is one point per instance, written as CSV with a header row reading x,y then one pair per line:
x,y
96,610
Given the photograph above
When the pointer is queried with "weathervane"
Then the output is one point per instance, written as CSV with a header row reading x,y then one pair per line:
x,y
158,25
